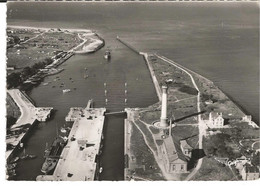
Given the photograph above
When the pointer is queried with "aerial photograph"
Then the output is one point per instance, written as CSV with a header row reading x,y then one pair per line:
x,y
132,91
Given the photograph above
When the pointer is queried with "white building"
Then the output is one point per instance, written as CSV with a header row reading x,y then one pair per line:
x,y
216,120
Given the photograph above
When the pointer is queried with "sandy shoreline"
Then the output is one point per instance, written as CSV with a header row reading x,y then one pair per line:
x,y
89,48
48,28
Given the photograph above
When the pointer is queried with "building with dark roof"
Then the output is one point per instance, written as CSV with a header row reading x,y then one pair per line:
x,y
186,148
174,159
250,172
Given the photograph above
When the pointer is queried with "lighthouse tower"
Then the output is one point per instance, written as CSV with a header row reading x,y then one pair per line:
x,y
163,121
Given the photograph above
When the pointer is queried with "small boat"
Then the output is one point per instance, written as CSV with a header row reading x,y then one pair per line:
x,y
11,166
32,156
45,84
24,156
11,173
100,169
63,130
15,160
107,55
66,90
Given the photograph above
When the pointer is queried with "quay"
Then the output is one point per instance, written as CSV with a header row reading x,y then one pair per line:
x,y
29,116
79,160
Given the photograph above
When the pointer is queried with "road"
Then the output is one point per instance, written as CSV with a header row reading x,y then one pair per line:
x,y
26,108
30,39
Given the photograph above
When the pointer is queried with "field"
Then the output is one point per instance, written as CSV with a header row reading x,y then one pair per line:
x,y
212,170
42,45
213,99
144,164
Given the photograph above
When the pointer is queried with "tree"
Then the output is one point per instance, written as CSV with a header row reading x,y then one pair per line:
x,y
27,71
13,80
256,159
48,61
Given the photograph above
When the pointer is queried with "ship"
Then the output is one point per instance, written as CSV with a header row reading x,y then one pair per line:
x,y
107,55
52,155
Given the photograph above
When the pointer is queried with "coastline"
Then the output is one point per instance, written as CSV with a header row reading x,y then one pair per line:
x,y
91,42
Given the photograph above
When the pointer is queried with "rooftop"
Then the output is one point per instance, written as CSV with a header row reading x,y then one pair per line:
x,y
173,149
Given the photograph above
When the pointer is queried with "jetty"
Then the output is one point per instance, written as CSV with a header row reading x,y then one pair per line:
x,y
147,58
29,116
79,160
127,44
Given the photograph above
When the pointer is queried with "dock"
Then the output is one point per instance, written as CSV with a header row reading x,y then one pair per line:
x,y
153,76
79,158
29,116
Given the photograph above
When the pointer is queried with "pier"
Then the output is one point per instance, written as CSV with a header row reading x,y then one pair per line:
x,y
29,116
127,44
79,160
151,70
153,76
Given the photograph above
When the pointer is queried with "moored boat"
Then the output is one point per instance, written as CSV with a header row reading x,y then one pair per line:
x,y
107,55
52,155
66,90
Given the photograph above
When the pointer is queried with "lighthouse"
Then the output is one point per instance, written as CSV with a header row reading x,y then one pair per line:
x,y
163,121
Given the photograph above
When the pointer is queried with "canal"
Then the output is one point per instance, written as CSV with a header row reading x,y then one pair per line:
x,y
125,67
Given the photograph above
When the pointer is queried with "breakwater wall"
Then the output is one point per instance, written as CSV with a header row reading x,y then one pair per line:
x,y
153,76
146,58
128,45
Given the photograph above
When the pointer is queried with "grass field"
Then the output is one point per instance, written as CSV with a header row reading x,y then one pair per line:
x,y
212,170
144,163
46,45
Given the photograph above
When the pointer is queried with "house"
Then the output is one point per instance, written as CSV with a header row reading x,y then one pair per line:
x,y
247,118
186,148
173,158
250,172
216,120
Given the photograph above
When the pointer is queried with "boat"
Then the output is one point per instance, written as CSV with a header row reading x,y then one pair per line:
x,y
63,130
66,90
11,166
32,156
52,155
49,165
11,173
24,156
107,55
15,160
100,169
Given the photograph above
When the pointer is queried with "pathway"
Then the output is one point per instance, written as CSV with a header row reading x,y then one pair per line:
x,y
202,126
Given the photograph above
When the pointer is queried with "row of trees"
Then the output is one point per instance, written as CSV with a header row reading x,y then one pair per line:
x,y
217,145
16,78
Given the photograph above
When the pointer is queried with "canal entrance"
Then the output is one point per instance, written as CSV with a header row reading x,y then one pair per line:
x,y
126,71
